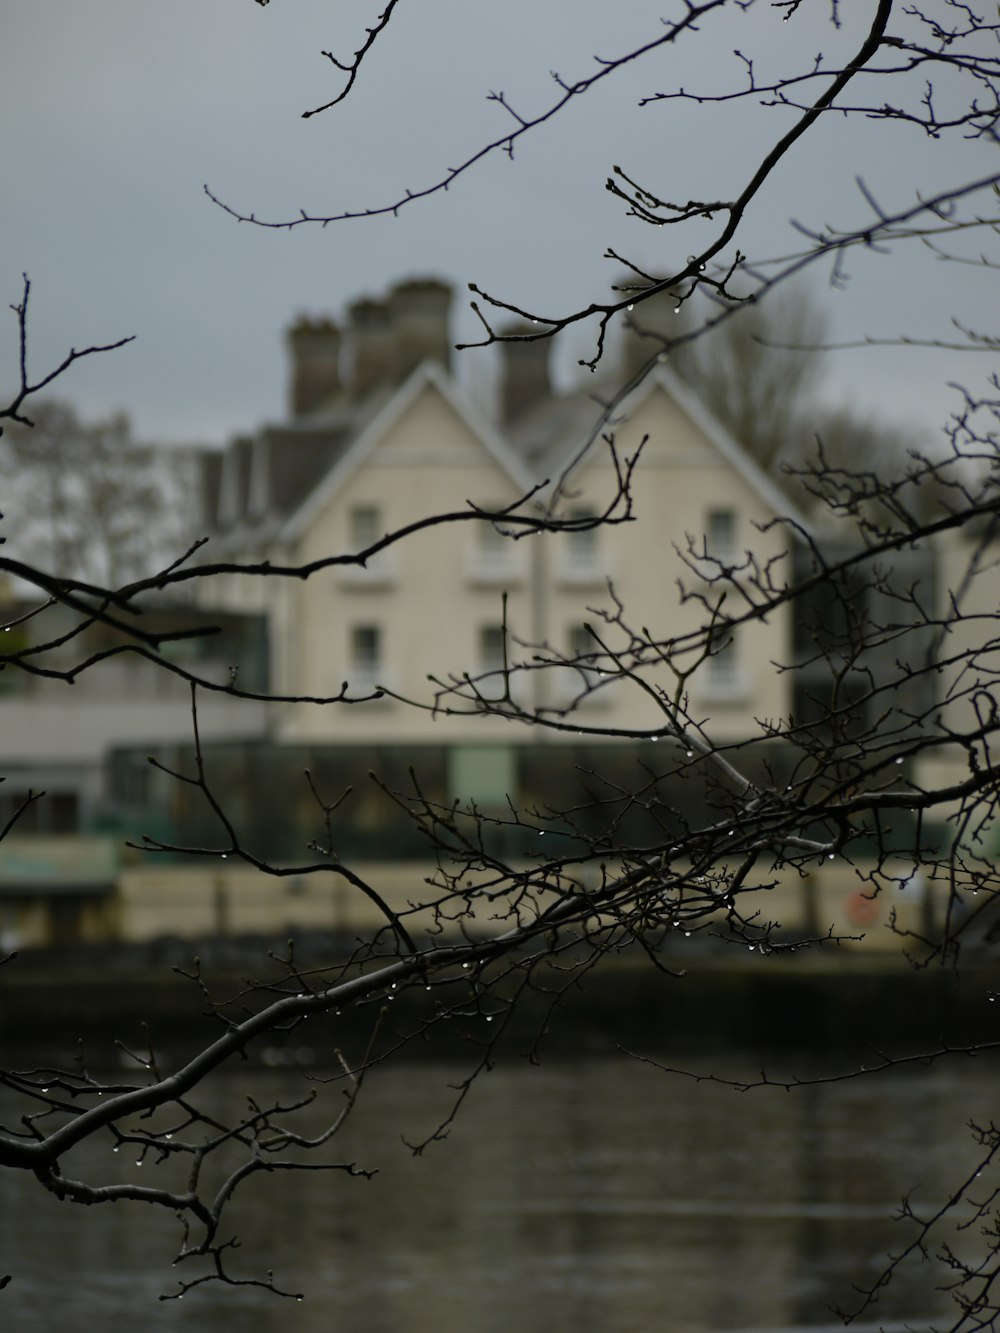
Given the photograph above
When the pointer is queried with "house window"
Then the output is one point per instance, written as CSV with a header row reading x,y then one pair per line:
x,y
493,558
583,541
55,812
491,647
581,559
366,656
365,527
720,534
590,667
583,652
486,774
723,663
491,662
492,541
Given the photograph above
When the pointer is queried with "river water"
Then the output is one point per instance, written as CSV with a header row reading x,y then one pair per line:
x,y
585,1195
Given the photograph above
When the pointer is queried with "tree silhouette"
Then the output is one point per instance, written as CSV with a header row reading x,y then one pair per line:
x,y
886,762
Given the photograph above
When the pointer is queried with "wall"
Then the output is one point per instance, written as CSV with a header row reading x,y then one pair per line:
x,y
431,610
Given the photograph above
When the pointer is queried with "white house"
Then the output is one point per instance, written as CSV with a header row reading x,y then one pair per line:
x,y
396,441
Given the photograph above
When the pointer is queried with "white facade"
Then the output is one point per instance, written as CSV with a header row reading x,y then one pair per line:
x,y
431,607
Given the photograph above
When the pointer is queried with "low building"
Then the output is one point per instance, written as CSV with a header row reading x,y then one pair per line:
x,y
76,689
396,441
482,658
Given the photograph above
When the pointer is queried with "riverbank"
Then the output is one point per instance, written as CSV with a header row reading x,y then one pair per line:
x,y
806,1001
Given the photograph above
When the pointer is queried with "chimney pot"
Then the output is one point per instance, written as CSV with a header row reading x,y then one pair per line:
x,y
525,379
418,312
371,346
314,346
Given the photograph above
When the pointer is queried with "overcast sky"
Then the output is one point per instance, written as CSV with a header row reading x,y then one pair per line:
x,y
115,113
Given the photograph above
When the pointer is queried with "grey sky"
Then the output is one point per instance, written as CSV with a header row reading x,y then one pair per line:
x,y
114,113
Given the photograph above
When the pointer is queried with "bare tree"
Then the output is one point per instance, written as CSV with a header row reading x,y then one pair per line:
x,y
89,499
895,722
757,372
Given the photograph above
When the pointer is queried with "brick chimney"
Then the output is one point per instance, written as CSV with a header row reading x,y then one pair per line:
x,y
418,316
652,325
372,359
524,379
314,346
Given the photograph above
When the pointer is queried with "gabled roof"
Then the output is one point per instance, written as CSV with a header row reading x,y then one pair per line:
x,y
667,381
288,465
256,482
274,486
428,375
558,424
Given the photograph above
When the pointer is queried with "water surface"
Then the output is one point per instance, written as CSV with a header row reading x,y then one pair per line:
x,y
591,1195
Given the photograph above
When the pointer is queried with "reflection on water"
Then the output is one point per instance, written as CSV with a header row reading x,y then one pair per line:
x,y
587,1196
